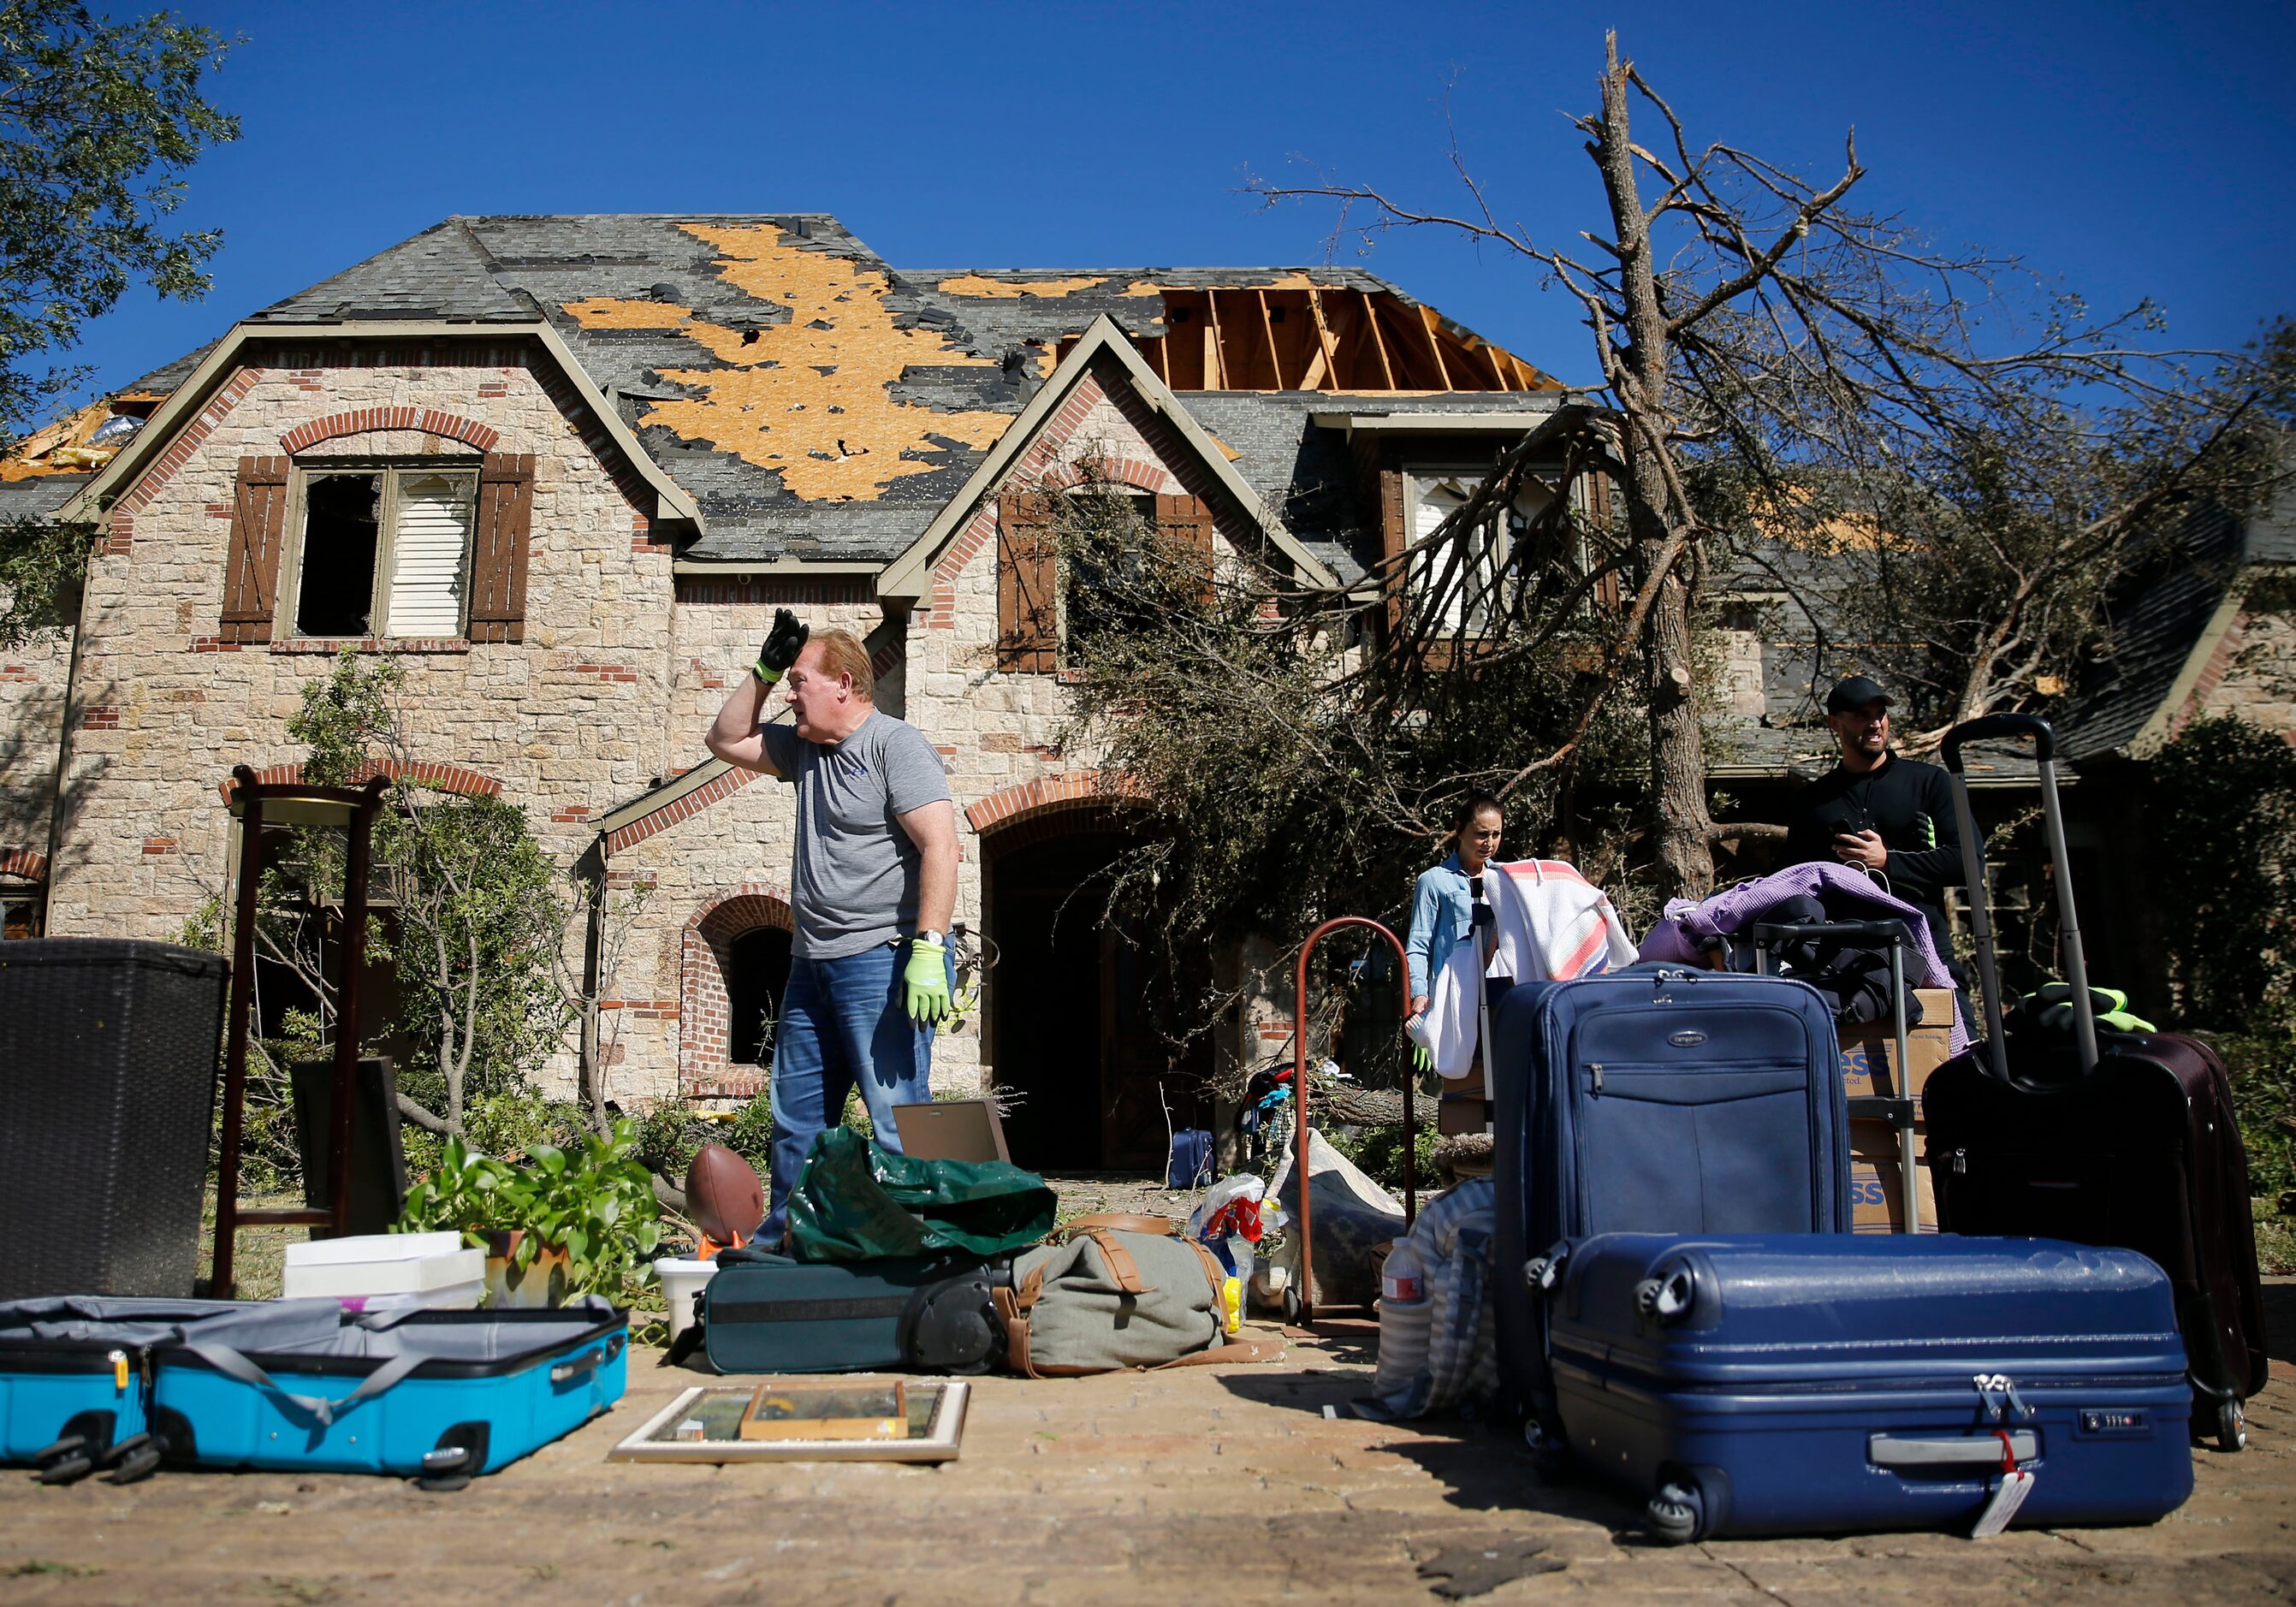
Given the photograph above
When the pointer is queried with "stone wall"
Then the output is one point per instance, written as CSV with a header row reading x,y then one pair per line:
x,y
2253,675
570,721
32,677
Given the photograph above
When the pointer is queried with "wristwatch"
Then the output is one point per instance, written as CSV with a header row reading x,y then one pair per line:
x,y
927,935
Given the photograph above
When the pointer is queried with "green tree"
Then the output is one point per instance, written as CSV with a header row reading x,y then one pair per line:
x,y
1758,332
480,914
2227,845
99,121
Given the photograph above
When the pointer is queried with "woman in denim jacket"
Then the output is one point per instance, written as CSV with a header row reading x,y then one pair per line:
x,y
1441,911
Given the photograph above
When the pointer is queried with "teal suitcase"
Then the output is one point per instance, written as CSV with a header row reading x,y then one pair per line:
x,y
441,1395
766,1313
75,1372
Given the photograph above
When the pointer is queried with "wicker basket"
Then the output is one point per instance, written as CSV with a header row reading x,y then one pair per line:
x,y
107,1057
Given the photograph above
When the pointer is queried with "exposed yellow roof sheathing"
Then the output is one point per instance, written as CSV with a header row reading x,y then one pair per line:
x,y
814,403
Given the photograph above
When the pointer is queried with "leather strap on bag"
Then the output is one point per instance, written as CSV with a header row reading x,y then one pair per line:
x,y
1014,1315
1117,1261
1123,1222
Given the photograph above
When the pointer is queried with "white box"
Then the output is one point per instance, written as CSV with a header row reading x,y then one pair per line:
x,y
375,1264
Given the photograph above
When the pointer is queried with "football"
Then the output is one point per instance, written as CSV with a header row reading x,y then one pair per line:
x,y
724,1196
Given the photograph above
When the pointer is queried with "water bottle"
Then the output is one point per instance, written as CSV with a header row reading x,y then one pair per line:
x,y
1406,1315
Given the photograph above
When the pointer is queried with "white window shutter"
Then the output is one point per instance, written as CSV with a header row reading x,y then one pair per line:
x,y
432,535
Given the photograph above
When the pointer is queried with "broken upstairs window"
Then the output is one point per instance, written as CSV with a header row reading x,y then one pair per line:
x,y
384,552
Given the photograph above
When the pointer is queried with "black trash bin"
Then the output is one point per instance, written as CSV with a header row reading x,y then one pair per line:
x,y
108,1057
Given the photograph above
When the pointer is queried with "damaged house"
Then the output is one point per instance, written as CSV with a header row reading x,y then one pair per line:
x,y
565,468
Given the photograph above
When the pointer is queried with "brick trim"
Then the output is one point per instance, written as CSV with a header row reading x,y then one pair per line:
x,y
1009,806
680,808
24,864
427,421
426,773
121,527
704,1007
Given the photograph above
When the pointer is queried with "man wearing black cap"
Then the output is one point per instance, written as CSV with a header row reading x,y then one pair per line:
x,y
1890,814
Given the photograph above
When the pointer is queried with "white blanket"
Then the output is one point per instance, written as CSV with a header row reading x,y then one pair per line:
x,y
1554,926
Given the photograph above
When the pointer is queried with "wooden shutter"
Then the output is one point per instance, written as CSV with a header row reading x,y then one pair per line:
x,y
258,525
1189,520
498,547
1027,588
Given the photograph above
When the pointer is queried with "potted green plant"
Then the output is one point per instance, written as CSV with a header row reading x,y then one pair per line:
x,y
565,1222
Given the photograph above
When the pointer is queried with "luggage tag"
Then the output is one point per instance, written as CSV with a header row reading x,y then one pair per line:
x,y
2016,1484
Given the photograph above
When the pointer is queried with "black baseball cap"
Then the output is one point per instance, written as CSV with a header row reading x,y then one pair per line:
x,y
1854,692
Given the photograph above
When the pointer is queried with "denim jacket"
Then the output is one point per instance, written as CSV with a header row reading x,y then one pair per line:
x,y
1442,913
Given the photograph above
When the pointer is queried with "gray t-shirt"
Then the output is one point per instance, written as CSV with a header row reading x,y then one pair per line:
x,y
855,883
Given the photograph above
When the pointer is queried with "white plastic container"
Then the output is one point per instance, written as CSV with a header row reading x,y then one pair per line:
x,y
682,1282
1405,1317
426,1269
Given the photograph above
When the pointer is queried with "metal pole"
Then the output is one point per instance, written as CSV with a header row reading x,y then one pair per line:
x,y
1980,917
1908,1159
235,1063
1299,1106
2068,927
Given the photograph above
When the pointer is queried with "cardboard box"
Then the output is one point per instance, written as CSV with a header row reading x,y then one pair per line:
x,y
1876,1192
1869,1054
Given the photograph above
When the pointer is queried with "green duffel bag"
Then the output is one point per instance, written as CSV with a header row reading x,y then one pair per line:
x,y
1111,1298
857,1201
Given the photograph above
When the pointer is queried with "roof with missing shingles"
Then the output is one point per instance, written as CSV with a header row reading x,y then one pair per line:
x,y
819,403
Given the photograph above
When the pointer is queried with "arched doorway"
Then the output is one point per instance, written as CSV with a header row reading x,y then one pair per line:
x,y
1076,1018
732,971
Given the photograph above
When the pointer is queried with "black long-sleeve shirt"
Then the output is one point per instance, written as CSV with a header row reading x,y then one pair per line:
x,y
1910,803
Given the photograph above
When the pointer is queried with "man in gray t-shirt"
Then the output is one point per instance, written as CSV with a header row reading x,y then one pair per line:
x,y
872,889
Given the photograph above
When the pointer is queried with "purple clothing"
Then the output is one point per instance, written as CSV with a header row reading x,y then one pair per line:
x,y
1690,926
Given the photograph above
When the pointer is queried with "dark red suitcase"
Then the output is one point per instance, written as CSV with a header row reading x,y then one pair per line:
x,y
2140,1150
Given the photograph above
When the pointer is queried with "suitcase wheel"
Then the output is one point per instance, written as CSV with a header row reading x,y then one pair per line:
x,y
133,1458
2232,1426
1676,1513
461,1453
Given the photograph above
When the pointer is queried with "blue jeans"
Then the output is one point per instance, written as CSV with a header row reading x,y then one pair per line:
x,y
844,1023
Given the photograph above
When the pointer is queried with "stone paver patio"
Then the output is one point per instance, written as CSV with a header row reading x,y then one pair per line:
x,y
1195,1485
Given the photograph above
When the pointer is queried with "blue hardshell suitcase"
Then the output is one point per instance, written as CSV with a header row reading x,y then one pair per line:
x,y
1783,1383
439,1395
75,1373
1658,1099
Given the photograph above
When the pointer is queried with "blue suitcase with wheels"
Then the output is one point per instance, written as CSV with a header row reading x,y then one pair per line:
x,y
1657,1100
441,1395
74,1371
1765,1384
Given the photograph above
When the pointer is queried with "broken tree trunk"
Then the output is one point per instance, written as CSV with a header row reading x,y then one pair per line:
x,y
1660,522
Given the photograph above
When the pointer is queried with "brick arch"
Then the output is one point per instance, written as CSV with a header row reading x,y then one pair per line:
x,y
423,773
25,863
429,421
705,952
1009,807
1139,473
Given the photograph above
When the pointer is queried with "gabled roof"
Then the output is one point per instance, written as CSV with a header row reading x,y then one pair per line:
x,y
816,407
225,355
910,574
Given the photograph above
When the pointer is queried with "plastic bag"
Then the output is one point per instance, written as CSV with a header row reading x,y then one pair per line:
x,y
856,1201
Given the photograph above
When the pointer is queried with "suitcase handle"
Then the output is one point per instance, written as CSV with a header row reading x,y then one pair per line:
x,y
1892,933
1953,1450
2043,736
589,1361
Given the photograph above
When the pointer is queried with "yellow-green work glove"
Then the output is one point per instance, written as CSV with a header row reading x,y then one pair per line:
x,y
1423,1058
926,978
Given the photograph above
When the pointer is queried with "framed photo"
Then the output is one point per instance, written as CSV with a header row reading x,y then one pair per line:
x,y
704,1424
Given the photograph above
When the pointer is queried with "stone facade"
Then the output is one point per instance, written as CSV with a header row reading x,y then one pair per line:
x,y
607,698
570,721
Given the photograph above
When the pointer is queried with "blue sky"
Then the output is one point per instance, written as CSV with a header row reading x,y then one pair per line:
x,y
2128,150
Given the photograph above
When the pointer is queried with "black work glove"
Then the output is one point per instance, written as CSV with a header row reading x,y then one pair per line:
x,y
782,644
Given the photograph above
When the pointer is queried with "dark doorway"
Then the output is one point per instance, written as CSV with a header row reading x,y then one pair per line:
x,y
1078,1016
756,972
